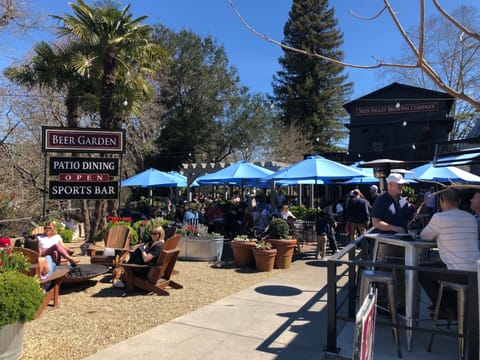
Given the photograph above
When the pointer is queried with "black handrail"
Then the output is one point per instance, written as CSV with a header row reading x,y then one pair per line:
x,y
360,260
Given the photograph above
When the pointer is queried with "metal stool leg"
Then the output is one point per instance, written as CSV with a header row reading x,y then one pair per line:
x,y
461,310
435,316
394,315
461,290
381,277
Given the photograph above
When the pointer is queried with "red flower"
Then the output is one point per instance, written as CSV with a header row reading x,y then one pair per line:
x,y
5,242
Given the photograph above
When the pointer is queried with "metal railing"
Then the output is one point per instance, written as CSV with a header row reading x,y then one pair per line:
x,y
354,257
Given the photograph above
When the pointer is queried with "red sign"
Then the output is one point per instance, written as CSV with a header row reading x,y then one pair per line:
x,y
84,177
365,329
82,140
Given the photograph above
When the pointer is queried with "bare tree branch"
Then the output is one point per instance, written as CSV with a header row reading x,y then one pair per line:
x,y
368,18
7,13
421,62
286,47
462,28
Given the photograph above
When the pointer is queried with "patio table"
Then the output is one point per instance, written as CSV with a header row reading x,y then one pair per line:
x,y
413,250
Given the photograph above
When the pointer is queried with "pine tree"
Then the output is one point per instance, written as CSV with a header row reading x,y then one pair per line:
x,y
310,91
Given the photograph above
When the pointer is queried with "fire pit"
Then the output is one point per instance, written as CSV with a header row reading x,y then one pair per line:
x,y
84,272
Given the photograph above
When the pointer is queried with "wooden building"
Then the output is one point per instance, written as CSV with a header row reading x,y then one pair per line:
x,y
398,122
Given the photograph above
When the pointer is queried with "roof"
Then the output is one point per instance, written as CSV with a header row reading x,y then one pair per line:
x,y
391,92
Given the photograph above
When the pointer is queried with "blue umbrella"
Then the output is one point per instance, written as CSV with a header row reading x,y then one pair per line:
x,y
444,174
368,179
316,168
182,179
151,178
362,180
236,174
367,171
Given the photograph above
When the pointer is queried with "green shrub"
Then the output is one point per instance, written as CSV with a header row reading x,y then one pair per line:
x,y
66,234
278,229
12,261
20,297
311,214
298,211
133,235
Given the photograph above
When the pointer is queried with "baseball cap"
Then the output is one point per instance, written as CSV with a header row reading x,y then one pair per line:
x,y
374,188
396,178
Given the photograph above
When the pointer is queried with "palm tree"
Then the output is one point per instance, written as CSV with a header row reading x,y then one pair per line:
x,y
120,53
50,67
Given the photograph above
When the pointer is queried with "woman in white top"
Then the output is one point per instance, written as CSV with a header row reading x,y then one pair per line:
x,y
51,243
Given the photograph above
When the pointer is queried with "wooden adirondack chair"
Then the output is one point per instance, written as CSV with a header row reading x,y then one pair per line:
x,y
170,231
172,242
159,276
51,284
117,242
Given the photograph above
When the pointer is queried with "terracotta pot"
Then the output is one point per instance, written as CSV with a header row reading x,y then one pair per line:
x,y
242,253
264,259
285,249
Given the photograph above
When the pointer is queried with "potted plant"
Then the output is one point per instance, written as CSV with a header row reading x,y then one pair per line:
x,y
264,255
279,237
242,250
20,299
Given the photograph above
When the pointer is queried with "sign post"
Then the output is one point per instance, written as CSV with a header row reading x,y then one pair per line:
x,y
78,177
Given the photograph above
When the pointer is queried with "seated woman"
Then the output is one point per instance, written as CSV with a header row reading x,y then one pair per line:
x,y
51,243
146,253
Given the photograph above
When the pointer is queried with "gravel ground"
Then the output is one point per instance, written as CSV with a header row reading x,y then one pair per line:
x,y
95,315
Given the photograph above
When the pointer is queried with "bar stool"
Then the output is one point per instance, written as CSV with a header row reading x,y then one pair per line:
x,y
383,277
461,290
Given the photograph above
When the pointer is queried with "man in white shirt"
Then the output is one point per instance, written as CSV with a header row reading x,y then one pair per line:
x,y
456,233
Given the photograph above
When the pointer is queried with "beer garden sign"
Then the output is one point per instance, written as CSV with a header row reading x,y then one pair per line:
x,y
82,177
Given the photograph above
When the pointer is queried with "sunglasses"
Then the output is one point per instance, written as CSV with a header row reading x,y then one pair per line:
x,y
155,233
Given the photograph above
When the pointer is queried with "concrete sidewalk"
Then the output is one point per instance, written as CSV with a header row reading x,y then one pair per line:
x,y
282,318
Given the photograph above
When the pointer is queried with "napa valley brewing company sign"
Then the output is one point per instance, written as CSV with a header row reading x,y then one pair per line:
x,y
79,177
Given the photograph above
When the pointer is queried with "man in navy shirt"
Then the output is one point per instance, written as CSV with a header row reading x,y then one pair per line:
x,y
391,214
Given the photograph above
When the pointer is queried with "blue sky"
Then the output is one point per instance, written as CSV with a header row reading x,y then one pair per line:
x,y
257,59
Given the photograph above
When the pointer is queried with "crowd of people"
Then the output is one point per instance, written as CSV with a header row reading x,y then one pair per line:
x,y
455,228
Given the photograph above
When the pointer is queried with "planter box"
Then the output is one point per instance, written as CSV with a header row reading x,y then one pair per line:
x,y
11,342
199,248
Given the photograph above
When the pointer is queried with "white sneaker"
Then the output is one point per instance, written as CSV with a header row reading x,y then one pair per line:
x,y
119,284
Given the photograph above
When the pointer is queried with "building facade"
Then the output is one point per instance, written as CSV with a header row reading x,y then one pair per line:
x,y
400,122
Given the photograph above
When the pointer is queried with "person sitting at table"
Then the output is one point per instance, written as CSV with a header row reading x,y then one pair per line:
x,y
475,206
51,243
456,233
145,253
